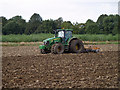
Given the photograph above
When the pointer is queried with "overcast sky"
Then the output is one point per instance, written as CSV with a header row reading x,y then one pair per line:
x,y
70,10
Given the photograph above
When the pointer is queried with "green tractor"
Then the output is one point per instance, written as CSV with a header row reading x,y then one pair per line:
x,y
62,42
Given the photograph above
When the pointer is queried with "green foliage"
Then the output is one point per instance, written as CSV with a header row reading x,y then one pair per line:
x,y
26,38
35,18
67,25
100,23
4,21
91,27
79,28
106,24
33,23
97,37
15,25
42,36
47,26
59,22
21,22
12,28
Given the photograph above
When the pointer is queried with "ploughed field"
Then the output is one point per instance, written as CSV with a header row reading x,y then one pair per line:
x,y
25,67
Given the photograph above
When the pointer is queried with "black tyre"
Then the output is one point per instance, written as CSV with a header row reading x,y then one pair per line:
x,y
76,46
57,48
44,51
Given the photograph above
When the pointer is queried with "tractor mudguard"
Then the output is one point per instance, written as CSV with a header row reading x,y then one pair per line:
x,y
42,46
70,39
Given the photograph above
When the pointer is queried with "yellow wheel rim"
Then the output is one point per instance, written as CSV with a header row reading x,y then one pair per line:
x,y
59,49
76,47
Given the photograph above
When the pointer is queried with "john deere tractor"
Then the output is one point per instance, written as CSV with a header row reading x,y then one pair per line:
x,y
62,42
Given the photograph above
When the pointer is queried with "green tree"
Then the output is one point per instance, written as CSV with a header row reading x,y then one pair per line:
x,y
59,22
79,28
67,25
89,21
108,24
116,25
12,28
4,21
100,23
33,23
47,27
20,21
91,27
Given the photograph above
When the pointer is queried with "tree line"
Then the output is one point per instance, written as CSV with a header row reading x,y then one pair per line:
x,y
105,24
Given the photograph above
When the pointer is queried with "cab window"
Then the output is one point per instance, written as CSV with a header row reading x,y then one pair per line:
x,y
61,34
68,34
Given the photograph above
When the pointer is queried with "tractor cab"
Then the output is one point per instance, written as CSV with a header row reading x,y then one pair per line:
x,y
65,34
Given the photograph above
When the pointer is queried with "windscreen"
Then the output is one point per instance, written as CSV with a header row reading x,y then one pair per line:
x,y
61,34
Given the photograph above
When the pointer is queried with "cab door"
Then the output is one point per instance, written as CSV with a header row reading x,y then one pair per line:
x,y
68,34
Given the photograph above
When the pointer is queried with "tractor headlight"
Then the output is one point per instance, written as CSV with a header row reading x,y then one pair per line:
x,y
46,43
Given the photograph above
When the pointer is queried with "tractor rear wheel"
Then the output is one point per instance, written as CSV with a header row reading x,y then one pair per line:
x,y
57,48
44,51
76,46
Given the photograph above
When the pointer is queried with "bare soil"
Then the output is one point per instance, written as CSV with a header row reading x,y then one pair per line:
x,y
25,67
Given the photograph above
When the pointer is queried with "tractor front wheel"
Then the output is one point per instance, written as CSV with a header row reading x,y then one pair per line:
x,y
76,46
57,48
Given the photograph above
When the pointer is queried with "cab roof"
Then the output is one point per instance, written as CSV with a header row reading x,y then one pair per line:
x,y
64,30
